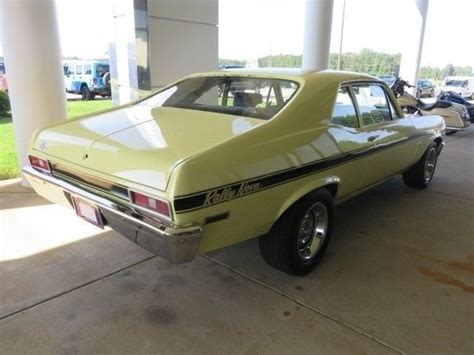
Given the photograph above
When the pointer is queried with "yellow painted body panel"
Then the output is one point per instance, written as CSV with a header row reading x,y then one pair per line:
x,y
228,161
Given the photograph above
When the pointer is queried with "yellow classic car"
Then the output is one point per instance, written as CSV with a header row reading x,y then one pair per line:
x,y
218,158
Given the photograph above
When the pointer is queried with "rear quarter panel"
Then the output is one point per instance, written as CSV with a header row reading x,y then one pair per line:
x,y
298,135
429,128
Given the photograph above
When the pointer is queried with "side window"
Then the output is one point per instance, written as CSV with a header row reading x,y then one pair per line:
x,y
373,105
344,113
392,108
71,70
87,69
78,69
288,88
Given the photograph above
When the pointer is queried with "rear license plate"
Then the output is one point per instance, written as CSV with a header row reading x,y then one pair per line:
x,y
88,211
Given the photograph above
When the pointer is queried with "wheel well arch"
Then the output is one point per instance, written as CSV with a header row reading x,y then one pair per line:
x,y
332,188
83,84
438,140
332,184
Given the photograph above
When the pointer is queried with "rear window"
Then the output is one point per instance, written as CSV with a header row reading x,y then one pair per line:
x,y
244,96
101,69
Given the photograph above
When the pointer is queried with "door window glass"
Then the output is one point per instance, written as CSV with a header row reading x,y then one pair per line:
x,y
392,108
87,69
344,113
78,69
373,105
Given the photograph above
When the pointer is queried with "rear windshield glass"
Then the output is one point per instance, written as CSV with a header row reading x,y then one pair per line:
x,y
101,69
243,96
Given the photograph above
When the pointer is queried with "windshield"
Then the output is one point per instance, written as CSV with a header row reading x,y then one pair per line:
x,y
456,83
244,96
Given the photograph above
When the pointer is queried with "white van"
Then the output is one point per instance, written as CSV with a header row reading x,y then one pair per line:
x,y
462,85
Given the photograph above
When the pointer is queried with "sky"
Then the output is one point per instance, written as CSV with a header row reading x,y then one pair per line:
x,y
249,29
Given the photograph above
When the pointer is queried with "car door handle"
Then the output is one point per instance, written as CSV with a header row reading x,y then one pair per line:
x,y
372,138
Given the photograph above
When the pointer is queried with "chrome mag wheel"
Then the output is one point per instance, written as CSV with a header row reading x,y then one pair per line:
x,y
313,231
430,165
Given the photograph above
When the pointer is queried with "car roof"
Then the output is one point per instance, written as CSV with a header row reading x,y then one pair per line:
x,y
296,74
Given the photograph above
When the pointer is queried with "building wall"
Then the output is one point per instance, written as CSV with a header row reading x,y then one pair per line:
x,y
183,38
159,41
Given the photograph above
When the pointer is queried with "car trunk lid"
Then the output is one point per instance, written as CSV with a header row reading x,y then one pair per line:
x,y
139,143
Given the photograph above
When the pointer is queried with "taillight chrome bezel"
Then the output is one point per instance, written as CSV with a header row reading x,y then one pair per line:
x,y
148,211
42,169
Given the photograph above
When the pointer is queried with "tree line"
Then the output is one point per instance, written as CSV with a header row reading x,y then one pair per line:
x,y
448,70
366,61
240,63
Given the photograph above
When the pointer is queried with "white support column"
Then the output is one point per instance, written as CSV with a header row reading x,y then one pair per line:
x,y
317,34
412,51
123,54
33,62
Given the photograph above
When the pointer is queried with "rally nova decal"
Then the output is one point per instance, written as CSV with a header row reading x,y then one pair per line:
x,y
225,193
220,195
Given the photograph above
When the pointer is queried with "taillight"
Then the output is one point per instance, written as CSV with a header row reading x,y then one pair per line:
x,y
151,203
38,163
94,80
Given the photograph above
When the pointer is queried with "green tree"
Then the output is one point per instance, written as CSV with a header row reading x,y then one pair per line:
x,y
366,61
241,63
449,70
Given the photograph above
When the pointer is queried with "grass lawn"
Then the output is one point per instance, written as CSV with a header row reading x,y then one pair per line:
x,y
8,157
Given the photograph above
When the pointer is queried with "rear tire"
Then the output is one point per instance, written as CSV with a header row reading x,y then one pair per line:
x,y
299,239
421,174
86,93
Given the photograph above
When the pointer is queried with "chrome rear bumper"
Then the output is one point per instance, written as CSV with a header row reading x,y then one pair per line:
x,y
177,244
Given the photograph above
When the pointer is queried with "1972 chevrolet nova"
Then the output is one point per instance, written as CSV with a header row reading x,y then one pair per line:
x,y
221,157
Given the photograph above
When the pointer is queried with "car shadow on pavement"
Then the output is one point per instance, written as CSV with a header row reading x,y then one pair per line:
x,y
388,265
32,275
14,195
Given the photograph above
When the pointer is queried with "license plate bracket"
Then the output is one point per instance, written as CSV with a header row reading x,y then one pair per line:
x,y
88,211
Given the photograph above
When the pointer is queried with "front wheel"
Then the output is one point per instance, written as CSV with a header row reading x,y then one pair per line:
x,y
421,174
298,240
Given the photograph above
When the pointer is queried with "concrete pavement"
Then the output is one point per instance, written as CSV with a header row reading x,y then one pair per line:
x,y
398,277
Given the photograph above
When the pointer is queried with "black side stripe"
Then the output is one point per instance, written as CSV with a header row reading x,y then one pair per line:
x,y
198,200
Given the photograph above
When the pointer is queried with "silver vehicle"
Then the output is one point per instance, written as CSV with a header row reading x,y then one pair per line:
x,y
462,85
